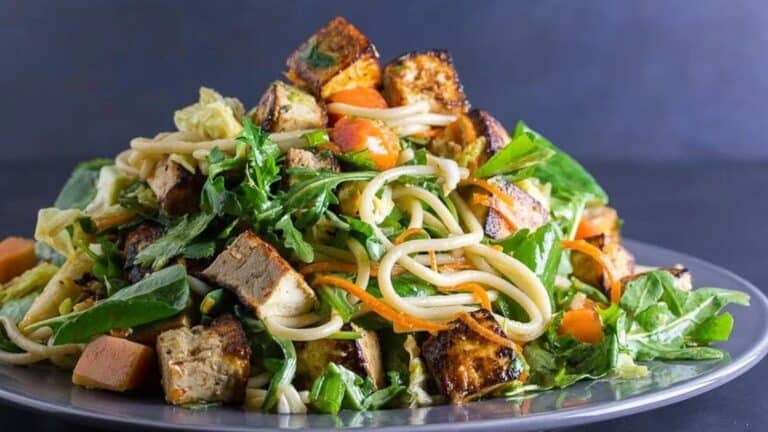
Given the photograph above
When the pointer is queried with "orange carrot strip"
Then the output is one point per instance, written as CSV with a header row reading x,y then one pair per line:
x,y
583,324
478,291
399,319
410,232
490,187
486,333
456,266
598,255
485,201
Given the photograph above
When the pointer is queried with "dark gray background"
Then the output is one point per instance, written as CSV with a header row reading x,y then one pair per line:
x,y
664,101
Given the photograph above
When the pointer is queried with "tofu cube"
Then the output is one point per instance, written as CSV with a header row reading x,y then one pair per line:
x,y
425,75
299,158
177,190
362,356
338,57
284,107
467,365
204,364
471,140
588,270
253,270
503,220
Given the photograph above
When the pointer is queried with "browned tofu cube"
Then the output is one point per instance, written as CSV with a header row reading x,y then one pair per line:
x,y
467,365
502,219
604,218
427,75
588,270
284,107
362,356
204,364
683,278
136,240
115,364
338,57
177,190
147,334
253,270
299,158
471,140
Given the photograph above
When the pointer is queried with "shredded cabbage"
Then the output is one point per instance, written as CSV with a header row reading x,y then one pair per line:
x,y
213,116
417,376
51,229
111,182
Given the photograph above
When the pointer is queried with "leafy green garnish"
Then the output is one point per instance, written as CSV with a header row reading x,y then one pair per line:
x,y
521,152
160,295
282,376
175,241
108,265
139,198
316,59
339,387
80,189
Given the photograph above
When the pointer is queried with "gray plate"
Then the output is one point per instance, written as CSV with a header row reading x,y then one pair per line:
x,y
45,389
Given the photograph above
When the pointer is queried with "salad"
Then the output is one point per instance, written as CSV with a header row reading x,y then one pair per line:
x,y
361,239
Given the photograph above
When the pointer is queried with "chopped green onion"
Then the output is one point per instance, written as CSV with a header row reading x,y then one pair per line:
x,y
316,137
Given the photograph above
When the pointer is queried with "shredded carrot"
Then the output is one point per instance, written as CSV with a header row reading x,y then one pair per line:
x,y
485,201
326,266
486,333
410,232
399,319
478,291
490,187
456,266
593,251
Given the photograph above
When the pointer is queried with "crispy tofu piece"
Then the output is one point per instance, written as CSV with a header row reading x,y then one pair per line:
x,y
135,241
338,57
111,363
261,278
683,278
586,269
425,75
177,190
603,216
299,158
362,356
204,364
467,365
503,220
284,107
471,140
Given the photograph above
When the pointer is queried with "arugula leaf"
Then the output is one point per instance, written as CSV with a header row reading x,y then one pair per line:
x,y
294,240
200,249
332,298
160,295
173,243
363,232
406,285
80,189
521,152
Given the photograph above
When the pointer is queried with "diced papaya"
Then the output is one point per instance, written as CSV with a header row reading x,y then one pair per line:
x,y
116,364
17,255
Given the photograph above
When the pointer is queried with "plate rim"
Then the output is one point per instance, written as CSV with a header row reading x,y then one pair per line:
x,y
561,418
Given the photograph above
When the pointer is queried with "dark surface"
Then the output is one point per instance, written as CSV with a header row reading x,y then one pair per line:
x,y
713,211
649,80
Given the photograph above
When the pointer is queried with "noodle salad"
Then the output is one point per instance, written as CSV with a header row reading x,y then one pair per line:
x,y
361,239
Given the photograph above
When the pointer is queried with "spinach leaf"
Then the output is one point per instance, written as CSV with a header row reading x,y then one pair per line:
x,y
173,243
521,152
160,295
567,177
80,189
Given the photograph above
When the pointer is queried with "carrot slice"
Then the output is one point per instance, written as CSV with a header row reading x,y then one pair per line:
x,y
355,134
401,320
486,333
601,220
583,324
17,255
365,97
477,291
613,282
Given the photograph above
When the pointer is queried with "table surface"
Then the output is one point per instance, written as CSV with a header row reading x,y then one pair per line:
x,y
715,211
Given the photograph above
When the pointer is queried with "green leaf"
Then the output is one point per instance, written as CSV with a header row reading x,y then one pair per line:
x,y
521,152
200,249
332,298
160,295
139,198
173,243
80,189
363,232
294,240
644,291
567,177
283,376
714,329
